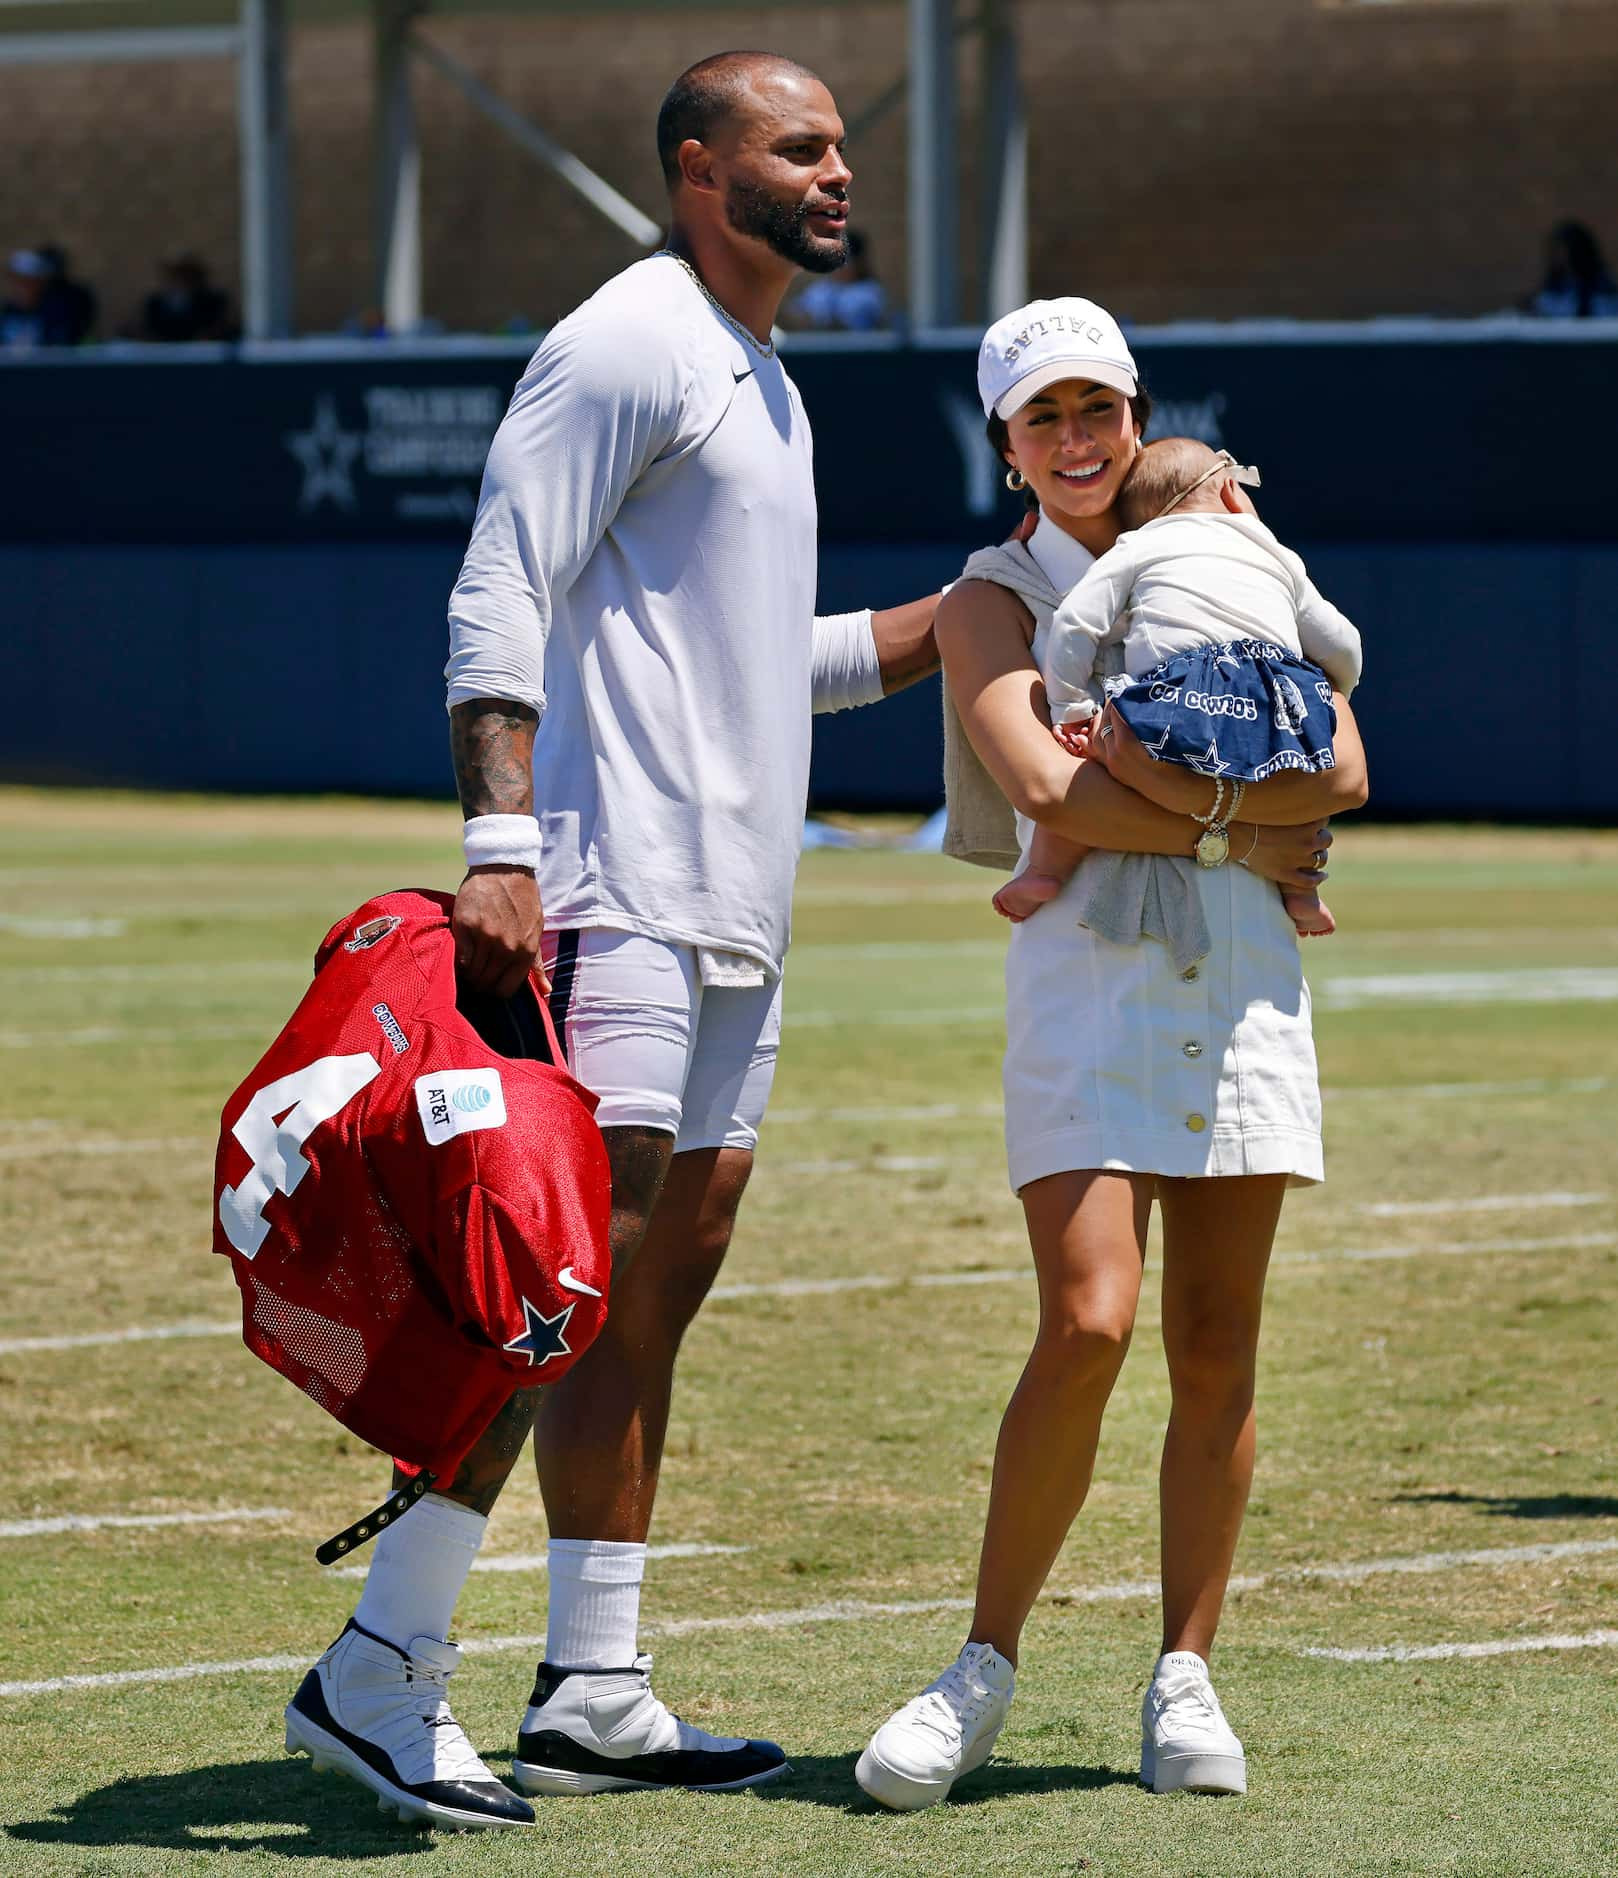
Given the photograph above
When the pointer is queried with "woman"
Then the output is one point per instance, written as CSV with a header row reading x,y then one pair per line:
x,y
1125,1079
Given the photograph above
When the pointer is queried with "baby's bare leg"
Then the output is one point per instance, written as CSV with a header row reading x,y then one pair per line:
x,y
1309,913
1051,862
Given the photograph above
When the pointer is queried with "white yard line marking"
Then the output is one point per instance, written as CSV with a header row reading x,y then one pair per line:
x,y
881,1116
1573,984
953,893
1446,938
1381,1092
1508,938
1452,1248
877,950
170,968
1482,1203
1461,1091
899,1112
115,1033
1569,984
885,1281
94,1339
1352,1255
878,1164
537,1561
861,1019
1561,985
854,1610
22,927
182,1672
1424,1564
94,1146
94,1522
1441,1652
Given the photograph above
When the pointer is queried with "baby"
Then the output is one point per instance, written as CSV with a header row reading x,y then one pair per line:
x,y
1232,651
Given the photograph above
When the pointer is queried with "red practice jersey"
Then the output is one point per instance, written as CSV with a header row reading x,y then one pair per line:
x,y
418,1224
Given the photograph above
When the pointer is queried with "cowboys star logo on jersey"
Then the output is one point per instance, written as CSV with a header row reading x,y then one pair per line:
x,y
544,1336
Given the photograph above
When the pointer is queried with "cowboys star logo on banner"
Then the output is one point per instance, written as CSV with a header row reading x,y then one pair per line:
x,y
544,1336
327,453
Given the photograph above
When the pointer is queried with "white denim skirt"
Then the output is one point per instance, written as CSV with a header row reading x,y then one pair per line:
x,y
1114,1059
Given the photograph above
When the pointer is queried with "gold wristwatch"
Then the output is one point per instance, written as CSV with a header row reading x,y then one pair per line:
x,y
1213,846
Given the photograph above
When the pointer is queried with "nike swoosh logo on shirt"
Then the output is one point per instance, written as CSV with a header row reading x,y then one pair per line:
x,y
565,1277
739,376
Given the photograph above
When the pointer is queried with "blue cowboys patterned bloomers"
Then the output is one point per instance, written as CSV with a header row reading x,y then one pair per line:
x,y
1246,710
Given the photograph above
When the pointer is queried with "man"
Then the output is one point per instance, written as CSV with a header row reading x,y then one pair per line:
x,y
632,669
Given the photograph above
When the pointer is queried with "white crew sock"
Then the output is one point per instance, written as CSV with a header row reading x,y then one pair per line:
x,y
595,1603
417,1571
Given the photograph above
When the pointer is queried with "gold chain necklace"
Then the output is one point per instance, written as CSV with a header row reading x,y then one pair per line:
x,y
763,349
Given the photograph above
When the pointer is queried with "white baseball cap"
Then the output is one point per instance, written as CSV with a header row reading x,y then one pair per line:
x,y
1046,341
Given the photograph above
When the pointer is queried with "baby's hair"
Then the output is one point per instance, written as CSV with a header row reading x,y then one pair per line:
x,y
1158,474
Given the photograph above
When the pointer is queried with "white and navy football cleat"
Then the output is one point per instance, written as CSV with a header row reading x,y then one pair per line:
x,y
381,1716
600,1731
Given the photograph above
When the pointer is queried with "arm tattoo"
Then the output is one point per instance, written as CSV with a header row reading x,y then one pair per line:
x,y
492,743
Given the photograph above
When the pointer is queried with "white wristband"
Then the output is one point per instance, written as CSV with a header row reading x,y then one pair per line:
x,y
502,841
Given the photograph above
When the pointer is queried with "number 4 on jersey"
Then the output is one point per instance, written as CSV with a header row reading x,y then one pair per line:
x,y
303,1101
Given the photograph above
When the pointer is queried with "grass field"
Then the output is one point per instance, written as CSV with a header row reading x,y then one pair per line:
x,y
1439,1397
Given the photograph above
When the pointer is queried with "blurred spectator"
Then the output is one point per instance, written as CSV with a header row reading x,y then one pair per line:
x,y
851,300
69,306
1576,284
20,321
369,323
36,310
186,307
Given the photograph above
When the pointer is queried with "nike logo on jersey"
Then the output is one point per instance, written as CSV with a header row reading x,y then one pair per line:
x,y
566,1279
739,376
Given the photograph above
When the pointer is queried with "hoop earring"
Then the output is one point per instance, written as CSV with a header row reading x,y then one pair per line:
x,y
1015,480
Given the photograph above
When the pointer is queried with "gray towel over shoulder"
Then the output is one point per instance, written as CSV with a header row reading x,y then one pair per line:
x,y
1120,897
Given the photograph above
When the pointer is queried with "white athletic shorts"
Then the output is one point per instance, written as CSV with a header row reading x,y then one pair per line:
x,y
658,1047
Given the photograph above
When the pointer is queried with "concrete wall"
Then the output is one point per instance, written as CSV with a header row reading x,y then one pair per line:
x,y
1290,157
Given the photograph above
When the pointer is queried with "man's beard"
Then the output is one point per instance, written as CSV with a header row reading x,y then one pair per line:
x,y
783,227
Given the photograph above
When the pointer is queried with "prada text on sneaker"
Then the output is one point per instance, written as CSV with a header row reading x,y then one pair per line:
x,y
947,1731
596,1731
1186,1745
381,1715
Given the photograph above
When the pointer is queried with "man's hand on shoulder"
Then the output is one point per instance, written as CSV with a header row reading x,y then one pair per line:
x,y
498,924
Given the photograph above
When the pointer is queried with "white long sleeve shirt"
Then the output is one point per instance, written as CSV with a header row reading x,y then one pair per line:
x,y
1185,581
641,572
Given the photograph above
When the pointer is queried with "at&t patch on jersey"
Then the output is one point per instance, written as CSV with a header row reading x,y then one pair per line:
x,y
454,1102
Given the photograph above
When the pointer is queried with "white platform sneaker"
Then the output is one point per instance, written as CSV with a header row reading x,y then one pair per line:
x,y
600,1731
1186,1745
381,1716
947,1731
